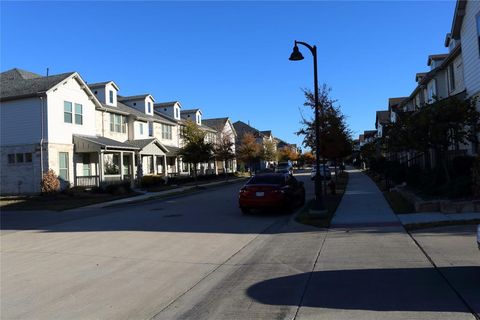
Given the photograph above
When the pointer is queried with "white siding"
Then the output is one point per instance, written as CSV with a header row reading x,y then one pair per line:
x,y
470,48
58,130
20,121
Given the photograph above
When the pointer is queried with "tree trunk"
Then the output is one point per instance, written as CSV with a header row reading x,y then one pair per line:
x,y
195,174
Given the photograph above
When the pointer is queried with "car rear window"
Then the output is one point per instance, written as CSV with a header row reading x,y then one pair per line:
x,y
267,179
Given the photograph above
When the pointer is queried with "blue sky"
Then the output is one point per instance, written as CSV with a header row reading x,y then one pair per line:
x,y
231,58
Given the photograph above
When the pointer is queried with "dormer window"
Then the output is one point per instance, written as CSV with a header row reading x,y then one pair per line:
x,y
110,96
149,107
177,113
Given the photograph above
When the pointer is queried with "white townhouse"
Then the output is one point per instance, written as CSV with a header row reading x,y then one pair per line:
x,y
465,32
39,115
173,111
225,132
381,121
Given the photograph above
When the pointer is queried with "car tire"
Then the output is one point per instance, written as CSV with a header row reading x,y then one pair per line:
x,y
245,210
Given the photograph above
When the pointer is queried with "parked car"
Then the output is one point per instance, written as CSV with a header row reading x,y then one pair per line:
x,y
271,190
284,167
324,173
478,236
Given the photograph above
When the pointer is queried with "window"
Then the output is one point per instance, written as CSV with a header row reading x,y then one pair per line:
x,y
11,158
140,125
86,164
149,107
110,96
150,129
451,77
67,112
78,113
118,123
63,165
166,132
177,113
28,157
19,157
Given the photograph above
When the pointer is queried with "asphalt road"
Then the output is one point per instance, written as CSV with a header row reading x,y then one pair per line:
x,y
198,257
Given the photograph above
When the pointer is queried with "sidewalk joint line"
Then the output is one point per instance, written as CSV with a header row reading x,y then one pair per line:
x,y
457,293
310,276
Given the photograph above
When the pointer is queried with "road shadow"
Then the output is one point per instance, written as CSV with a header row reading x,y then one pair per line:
x,y
402,289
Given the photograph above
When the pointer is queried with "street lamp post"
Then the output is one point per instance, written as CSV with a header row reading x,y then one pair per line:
x,y
296,56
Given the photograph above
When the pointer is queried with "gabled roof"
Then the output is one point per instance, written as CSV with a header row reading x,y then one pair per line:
x,y
216,123
167,104
136,97
420,75
369,133
21,74
434,57
267,133
142,143
127,110
103,84
458,18
190,111
17,83
242,128
394,103
382,117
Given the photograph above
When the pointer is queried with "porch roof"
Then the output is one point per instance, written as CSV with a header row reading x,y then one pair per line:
x,y
172,151
149,146
97,143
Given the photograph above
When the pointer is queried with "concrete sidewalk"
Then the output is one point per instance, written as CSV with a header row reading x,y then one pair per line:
x,y
151,195
369,268
363,204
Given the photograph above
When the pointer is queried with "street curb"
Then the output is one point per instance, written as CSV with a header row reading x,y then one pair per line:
x,y
175,192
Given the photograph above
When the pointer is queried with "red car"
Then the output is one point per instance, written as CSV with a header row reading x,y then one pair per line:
x,y
271,190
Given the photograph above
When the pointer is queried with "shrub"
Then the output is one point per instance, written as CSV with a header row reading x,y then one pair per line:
x,y
463,165
118,188
396,171
152,181
460,187
50,183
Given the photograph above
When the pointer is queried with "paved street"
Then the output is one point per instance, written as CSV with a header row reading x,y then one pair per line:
x,y
198,257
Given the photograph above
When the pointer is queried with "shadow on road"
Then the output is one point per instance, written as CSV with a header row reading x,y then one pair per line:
x,y
403,289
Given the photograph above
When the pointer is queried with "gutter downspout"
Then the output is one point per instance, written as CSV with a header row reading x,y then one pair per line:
x,y
42,135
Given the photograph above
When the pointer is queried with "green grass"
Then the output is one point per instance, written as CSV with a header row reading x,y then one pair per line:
x,y
331,203
58,202
398,203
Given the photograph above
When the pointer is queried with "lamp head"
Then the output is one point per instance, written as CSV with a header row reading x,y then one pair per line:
x,y
296,54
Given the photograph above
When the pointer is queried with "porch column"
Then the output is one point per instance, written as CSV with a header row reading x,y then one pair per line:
x,y
155,167
165,168
215,167
177,170
100,166
74,170
121,165
132,170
